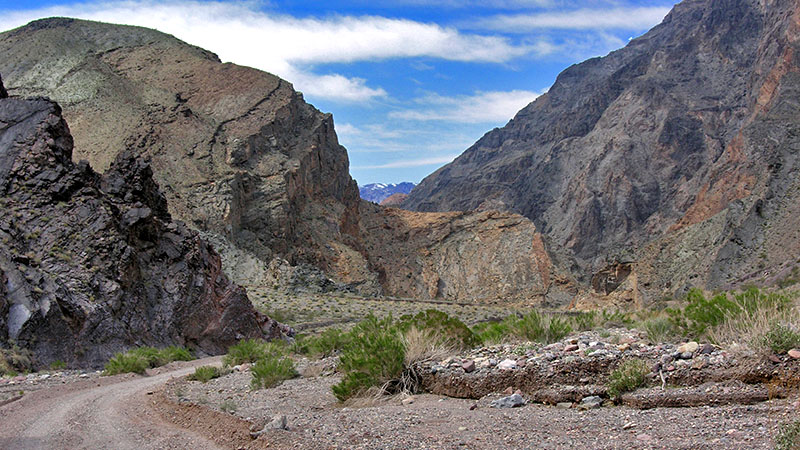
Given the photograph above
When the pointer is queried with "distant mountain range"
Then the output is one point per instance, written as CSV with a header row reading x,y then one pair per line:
x,y
378,192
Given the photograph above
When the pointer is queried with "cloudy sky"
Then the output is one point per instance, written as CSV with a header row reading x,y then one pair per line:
x,y
411,83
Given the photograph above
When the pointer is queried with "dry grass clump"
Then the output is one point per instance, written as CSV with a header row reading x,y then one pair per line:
x,y
424,345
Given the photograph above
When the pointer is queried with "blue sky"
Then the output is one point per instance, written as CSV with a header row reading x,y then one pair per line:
x,y
411,83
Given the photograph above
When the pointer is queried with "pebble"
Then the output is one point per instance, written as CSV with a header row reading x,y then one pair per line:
x,y
591,402
571,348
689,347
794,353
468,366
564,405
507,364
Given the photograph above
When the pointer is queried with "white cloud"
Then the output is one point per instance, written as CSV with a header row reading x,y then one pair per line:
x,y
483,107
287,46
412,163
633,18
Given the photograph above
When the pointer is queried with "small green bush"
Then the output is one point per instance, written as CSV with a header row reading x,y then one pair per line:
x,y
58,365
610,319
788,437
629,376
781,338
245,351
14,361
659,329
274,367
490,333
140,359
373,357
126,363
326,343
585,320
204,374
556,329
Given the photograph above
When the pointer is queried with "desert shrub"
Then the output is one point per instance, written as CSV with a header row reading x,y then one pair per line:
x,y
271,370
629,376
245,351
781,338
538,327
424,345
490,333
447,331
204,374
14,361
140,359
610,319
659,329
557,328
58,365
584,320
788,437
374,356
325,344
126,363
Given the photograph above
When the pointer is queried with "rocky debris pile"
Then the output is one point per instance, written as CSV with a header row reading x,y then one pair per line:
x,y
94,264
576,370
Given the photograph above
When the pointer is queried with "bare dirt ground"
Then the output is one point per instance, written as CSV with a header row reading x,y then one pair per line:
x,y
163,410
109,412
316,421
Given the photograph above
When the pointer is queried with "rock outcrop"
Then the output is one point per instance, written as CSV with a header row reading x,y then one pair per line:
x,y
257,171
394,200
677,154
483,256
91,265
238,152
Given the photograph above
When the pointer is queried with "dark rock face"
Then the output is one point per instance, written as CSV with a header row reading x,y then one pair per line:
x,y
676,152
240,154
91,264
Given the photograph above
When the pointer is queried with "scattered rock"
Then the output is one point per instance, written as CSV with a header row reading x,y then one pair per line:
x,y
706,349
689,347
591,402
468,366
512,401
571,348
564,405
407,400
794,353
507,364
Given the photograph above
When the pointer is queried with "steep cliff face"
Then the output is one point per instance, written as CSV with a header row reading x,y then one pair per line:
x,y
470,257
243,159
676,153
91,264
239,153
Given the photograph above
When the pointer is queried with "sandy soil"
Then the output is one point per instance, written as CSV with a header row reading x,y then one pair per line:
x,y
108,412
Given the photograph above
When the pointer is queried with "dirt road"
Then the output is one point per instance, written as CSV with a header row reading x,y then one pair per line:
x,y
112,412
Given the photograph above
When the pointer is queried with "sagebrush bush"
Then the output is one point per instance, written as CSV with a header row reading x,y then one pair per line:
x,y
629,376
374,356
204,374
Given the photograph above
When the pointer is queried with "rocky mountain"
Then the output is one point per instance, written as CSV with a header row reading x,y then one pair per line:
x,y
672,160
378,192
394,200
245,161
93,264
